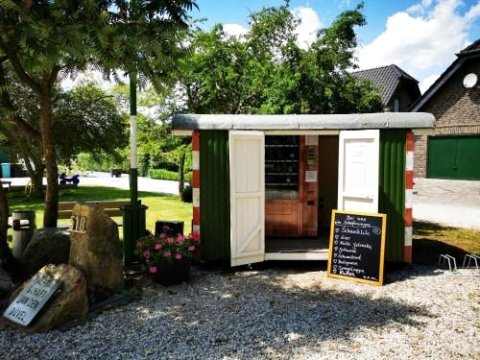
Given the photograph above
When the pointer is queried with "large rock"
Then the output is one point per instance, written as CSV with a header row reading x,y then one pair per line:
x,y
96,250
69,303
48,246
6,284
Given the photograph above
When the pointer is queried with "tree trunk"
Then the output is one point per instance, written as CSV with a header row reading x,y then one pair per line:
x,y
35,173
50,156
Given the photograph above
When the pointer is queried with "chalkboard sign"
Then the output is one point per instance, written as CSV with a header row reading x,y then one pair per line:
x,y
357,246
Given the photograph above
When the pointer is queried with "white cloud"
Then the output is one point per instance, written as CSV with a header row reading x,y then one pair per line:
x,y
422,39
234,30
306,31
309,25
427,82
420,8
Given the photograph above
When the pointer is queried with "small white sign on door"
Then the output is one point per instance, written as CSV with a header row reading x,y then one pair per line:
x,y
311,176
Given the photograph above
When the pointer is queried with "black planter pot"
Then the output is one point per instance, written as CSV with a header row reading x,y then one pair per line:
x,y
172,273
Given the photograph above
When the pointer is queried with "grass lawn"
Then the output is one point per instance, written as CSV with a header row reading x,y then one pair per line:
x,y
430,240
160,206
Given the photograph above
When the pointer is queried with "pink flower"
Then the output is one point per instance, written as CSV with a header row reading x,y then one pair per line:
x,y
152,269
170,241
191,248
158,246
178,256
163,236
146,255
180,239
167,254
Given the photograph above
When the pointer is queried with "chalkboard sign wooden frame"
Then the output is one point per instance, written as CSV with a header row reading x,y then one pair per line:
x,y
357,246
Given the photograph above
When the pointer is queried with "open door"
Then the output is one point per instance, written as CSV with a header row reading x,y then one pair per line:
x,y
247,197
358,170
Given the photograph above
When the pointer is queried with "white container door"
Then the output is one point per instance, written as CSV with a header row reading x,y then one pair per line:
x,y
247,197
359,153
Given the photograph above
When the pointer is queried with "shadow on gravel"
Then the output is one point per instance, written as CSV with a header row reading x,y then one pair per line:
x,y
245,314
258,313
427,251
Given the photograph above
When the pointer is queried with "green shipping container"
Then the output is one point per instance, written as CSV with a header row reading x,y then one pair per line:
x,y
230,209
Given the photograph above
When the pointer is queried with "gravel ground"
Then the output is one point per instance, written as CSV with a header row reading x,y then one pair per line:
x,y
277,313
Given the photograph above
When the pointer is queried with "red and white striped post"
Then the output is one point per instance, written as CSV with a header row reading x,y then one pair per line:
x,y
196,180
407,255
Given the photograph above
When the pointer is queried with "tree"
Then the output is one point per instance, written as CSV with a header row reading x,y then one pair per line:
x,y
84,119
87,119
46,39
43,41
267,72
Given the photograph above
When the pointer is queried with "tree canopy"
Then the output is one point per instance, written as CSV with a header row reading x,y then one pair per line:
x,y
267,72
47,40
44,41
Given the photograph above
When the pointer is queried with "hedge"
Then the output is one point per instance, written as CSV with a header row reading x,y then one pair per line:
x,y
162,174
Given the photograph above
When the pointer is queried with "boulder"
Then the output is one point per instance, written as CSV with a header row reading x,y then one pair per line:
x,y
96,250
70,302
48,246
6,283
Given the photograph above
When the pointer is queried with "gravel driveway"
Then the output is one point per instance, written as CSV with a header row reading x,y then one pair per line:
x,y
289,313
278,313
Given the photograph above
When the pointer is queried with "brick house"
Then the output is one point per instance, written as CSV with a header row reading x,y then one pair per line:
x,y
398,89
452,151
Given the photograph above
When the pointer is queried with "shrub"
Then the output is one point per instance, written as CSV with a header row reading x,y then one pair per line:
x,y
162,174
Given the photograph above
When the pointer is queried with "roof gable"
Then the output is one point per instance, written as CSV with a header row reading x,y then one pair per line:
x,y
470,52
472,48
387,79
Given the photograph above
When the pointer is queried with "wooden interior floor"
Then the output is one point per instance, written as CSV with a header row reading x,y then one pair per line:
x,y
297,245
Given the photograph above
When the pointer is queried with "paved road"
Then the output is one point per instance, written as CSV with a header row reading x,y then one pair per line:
x,y
144,183
446,202
104,179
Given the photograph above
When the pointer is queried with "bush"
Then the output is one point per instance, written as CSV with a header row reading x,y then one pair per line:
x,y
162,174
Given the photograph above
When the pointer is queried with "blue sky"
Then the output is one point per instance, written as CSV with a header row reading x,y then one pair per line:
x,y
420,36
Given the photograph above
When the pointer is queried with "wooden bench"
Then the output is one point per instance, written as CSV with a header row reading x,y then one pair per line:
x,y
111,208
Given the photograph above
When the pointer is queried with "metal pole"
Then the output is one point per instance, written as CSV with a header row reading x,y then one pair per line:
x,y
133,140
134,225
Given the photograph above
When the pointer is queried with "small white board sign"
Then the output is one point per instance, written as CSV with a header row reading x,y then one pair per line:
x,y
311,176
31,299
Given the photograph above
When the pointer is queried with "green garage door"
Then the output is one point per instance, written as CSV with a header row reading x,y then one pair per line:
x,y
454,157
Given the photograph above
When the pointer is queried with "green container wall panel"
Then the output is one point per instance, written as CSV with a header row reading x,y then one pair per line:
x,y
214,196
392,191
454,157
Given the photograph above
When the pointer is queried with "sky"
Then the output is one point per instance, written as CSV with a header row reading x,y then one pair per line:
x,y
420,36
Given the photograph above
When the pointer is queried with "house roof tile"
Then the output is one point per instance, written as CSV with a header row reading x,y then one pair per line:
x,y
386,79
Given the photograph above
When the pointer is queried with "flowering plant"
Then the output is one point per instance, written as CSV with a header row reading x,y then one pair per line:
x,y
165,248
